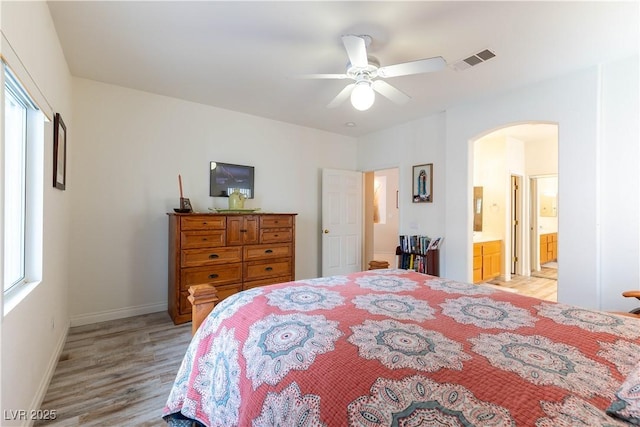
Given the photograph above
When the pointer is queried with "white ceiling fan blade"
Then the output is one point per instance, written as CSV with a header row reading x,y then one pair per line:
x,y
356,50
428,65
388,91
340,98
322,76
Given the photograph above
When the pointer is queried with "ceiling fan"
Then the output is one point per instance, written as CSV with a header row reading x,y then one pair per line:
x,y
365,70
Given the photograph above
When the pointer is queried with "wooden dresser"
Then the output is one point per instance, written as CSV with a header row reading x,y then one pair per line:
x,y
232,252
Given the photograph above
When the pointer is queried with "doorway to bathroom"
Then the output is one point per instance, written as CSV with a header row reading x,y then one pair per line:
x,y
514,168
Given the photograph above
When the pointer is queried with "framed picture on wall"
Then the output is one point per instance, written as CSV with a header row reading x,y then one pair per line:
x,y
423,183
59,153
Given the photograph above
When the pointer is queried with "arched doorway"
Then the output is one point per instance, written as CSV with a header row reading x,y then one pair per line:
x,y
505,161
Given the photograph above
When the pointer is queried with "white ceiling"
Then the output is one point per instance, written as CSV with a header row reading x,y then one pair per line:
x,y
244,56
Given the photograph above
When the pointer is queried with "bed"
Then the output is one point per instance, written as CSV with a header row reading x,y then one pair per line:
x,y
396,347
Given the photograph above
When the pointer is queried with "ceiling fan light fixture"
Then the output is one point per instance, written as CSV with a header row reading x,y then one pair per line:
x,y
362,96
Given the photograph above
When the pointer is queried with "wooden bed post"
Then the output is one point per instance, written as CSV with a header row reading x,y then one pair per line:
x,y
202,298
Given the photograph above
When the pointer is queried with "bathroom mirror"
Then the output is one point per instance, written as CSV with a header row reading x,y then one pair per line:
x,y
477,208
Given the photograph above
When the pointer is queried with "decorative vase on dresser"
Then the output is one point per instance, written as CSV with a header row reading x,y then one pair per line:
x,y
231,251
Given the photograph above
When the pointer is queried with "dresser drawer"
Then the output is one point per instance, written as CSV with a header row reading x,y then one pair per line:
x,y
276,221
210,256
258,252
275,235
214,275
203,222
202,239
255,270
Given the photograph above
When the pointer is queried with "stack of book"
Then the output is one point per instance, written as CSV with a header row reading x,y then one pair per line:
x,y
414,250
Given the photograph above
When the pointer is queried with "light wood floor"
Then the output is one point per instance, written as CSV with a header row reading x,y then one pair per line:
x,y
543,285
117,373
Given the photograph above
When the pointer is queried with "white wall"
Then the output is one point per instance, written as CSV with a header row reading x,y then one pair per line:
x,y
575,103
130,147
34,331
490,173
597,113
413,143
619,186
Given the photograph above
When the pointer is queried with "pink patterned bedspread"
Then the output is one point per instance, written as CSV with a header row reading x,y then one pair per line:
x,y
395,347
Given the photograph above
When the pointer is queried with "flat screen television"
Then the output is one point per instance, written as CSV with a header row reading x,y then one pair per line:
x,y
226,177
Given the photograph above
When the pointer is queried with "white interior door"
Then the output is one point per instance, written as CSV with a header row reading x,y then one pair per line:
x,y
341,222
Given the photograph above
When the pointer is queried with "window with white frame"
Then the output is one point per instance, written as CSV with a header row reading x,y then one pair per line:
x,y
22,146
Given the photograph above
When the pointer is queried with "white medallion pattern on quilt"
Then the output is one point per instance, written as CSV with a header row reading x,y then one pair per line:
x,y
453,287
588,319
541,361
290,408
397,345
623,354
573,412
218,379
381,282
224,310
626,405
279,343
326,281
403,307
487,313
418,401
304,298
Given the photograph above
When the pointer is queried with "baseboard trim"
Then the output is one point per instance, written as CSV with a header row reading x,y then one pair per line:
x,y
120,313
46,379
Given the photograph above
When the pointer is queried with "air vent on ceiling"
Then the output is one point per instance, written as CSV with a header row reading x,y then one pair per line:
x,y
473,60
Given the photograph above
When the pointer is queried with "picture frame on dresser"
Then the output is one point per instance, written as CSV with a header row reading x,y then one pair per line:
x,y
422,183
59,153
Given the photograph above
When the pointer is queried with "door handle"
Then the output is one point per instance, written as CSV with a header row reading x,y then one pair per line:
x,y
326,231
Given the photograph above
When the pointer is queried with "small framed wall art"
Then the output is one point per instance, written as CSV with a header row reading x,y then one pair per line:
x,y
59,153
423,183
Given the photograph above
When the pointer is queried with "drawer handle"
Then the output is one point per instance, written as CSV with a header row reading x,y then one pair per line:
x,y
214,256
275,235
204,239
268,251
213,276
268,268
